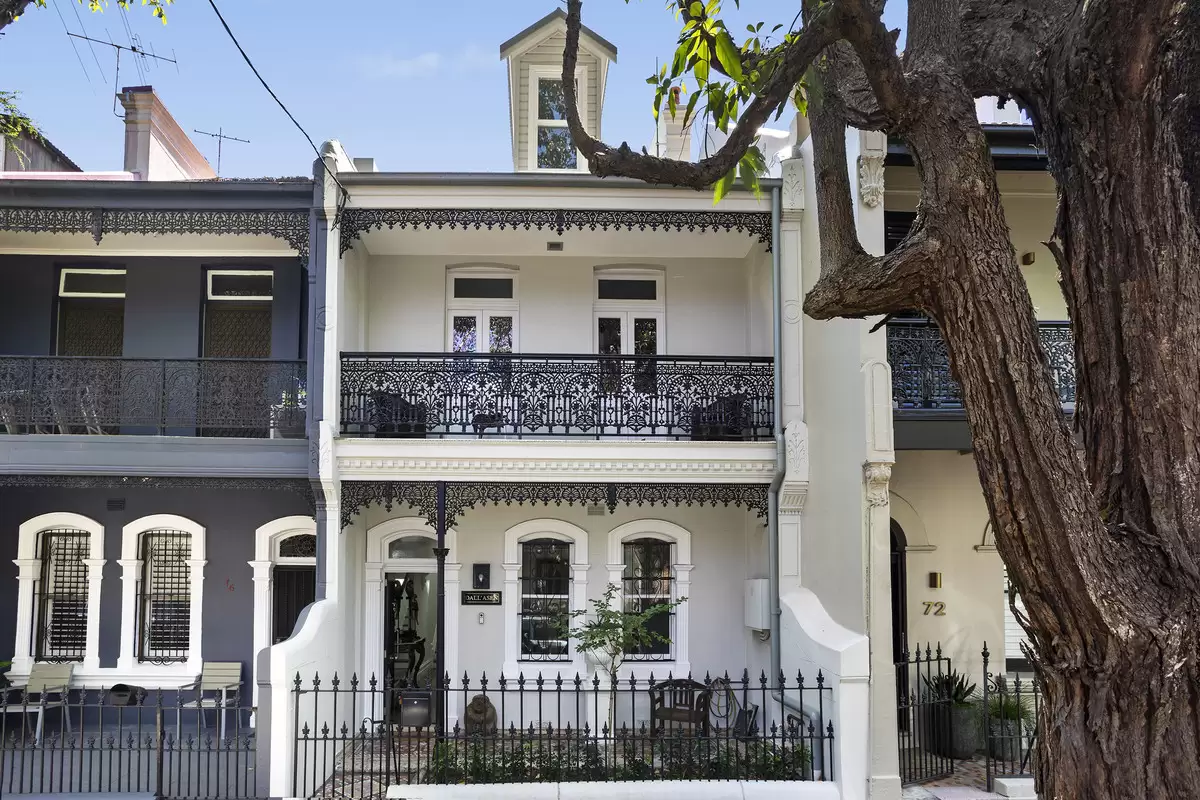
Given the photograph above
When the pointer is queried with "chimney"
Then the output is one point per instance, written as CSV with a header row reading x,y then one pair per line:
x,y
674,140
156,148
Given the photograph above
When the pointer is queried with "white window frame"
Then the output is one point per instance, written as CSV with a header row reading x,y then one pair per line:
x,y
483,307
241,273
679,662
546,528
62,281
628,310
538,72
131,577
267,539
29,567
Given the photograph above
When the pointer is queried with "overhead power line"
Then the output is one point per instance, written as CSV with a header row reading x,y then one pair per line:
x,y
278,102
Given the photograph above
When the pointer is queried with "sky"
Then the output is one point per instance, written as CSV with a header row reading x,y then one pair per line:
x,y
419,86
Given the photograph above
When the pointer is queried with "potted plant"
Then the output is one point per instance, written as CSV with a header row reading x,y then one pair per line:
x,y
606,633
952,716
1007,717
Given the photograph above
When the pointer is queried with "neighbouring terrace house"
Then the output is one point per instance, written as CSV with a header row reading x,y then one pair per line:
x,y
153,454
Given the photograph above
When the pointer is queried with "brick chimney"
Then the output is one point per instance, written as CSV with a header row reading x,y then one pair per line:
x,y
674,140
156,148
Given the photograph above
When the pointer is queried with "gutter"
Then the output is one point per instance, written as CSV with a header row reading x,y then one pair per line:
x,y
557,180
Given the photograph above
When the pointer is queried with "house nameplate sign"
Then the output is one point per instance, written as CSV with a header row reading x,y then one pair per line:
x,y
470,598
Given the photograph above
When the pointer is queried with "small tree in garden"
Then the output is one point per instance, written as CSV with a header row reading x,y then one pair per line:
x,y
610,632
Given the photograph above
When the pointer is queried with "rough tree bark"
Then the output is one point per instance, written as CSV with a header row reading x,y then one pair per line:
x,y
1105,547
10,10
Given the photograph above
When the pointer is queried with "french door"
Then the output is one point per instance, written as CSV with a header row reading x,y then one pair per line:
x,y
628,333
482,332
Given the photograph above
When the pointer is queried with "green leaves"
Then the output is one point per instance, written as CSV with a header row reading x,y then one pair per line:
x,y
728,55
750,168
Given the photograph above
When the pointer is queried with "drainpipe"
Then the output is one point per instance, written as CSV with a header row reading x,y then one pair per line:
x,y
780,463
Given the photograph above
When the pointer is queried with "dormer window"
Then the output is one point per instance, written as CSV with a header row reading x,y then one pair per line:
x,y
552,147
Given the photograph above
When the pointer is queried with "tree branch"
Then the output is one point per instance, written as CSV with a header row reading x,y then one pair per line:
x,y
853,283
11,9
999,42
604,160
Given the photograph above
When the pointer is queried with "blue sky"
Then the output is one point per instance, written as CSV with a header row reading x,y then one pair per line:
x,y
417,85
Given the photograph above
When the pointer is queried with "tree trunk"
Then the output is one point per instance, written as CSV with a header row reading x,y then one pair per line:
x,y
1125,720
11,9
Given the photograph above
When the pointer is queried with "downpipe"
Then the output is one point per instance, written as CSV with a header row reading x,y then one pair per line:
x,y
780,462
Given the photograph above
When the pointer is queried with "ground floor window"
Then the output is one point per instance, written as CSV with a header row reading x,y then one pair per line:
x,y
545,581
164,597
649,580
61,596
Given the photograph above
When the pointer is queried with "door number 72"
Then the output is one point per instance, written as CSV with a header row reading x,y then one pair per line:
x,y
937,609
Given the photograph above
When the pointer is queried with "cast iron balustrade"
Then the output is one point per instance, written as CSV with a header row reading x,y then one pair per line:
x,y
353,738
415,395
921,377
177,397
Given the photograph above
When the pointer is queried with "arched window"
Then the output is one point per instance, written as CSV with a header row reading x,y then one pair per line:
x,y
545,578
162,558
59,562
651,561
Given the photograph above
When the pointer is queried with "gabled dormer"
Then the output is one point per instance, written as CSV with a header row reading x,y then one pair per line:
x,y
540,139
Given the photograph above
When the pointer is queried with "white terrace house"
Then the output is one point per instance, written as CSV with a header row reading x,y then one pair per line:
x,y
537,384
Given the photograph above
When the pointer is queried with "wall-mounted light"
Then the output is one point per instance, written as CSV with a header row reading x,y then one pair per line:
x,y
935,580
1027,259
481,576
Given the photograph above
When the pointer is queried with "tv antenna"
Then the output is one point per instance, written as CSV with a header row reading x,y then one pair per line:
x,y
134,47
220,137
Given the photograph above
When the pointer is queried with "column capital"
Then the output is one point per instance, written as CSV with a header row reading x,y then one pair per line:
x,y
877,475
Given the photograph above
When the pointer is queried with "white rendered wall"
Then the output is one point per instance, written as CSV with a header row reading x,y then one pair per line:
x,y
727,547
707,304
942,507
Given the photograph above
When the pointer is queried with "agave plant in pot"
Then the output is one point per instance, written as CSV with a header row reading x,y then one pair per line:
x,y
1010,722
951,716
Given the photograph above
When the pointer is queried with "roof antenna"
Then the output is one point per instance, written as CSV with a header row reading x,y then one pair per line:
x,y
135,49
220,137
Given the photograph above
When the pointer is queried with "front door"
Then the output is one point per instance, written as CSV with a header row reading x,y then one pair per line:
x,y
294,587
410,647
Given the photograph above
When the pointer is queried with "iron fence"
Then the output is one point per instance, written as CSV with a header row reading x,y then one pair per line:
x,y
925,718
1011,705
183,397
921,378
418,395
125,740
354,739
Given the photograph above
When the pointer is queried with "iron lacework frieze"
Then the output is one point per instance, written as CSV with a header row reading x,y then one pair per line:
x,y
291,226
422,496
357,221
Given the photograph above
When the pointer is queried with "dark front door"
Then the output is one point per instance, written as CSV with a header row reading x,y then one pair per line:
x,y
293,588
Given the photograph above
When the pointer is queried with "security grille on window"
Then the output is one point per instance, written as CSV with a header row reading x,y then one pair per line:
x,y
61,596
165,597
545,599
650,581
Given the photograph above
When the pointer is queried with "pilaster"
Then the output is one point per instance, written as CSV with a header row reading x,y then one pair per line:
x,y
27,575
791,290
130,569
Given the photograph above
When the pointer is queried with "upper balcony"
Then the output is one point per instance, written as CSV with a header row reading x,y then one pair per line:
x,y
527,336
923,389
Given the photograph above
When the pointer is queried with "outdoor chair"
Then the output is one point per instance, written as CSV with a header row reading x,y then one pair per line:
x,y
46,687
212,690
680,700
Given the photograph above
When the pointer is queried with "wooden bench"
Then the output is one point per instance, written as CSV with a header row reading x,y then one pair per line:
x,y
680,700
44,681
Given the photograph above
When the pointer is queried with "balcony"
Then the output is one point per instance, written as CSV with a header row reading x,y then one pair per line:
x,y
241,398
424,395
921,380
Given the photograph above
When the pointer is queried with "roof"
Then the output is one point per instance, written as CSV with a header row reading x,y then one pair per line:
x,y
545,179
1014,147
45,143
168,195
558,15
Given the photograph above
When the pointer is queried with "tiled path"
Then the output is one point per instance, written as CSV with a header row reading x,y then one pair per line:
x,y
969,782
